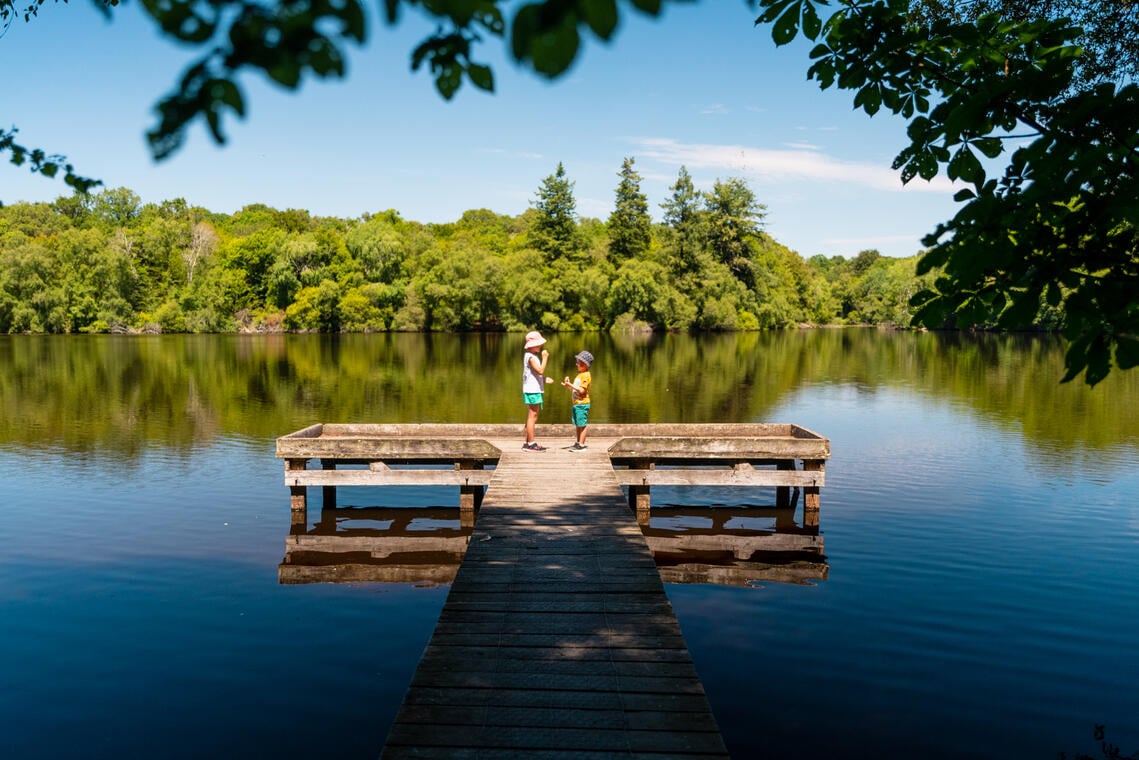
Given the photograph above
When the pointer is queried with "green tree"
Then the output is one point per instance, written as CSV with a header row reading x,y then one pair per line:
x,y
555,231
1058,226
1108,30
630,226
1057,229
734,218
380,247
683,214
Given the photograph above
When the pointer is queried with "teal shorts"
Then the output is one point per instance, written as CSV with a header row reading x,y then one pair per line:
x,y
533,398
580,415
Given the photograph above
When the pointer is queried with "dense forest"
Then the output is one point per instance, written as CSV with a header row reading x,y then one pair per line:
x,y
106,262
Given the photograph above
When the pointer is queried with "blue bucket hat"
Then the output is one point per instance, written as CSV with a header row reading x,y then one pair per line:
x,y
585,358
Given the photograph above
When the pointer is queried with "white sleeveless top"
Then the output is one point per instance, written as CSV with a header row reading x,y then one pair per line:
x,y
532,382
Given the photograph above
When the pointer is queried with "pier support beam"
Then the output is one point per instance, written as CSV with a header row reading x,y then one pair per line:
x,y
639,494
811,494
328,493
297,494
783,493
470,496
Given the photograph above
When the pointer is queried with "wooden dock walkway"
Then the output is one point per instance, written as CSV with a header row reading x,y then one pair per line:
x,y
557,639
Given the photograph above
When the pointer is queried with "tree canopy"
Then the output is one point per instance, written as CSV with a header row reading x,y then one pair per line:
x,y
1059,225
1041,84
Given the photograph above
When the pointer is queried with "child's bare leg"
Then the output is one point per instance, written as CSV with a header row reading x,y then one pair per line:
x,y
581,433
531,420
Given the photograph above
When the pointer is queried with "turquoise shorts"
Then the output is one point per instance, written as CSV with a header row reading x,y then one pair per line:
x,y
532,398
580,415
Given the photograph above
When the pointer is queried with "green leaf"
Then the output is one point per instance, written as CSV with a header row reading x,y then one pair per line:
x,y
553,51
481,77
1099,361
964,195
1022,311
285,71
1126,352
786,27
964,165
648,6
869,98
601,15
1075,358
448,80
812,25
991,147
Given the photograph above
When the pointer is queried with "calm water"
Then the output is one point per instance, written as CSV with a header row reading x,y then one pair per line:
x,y
979,596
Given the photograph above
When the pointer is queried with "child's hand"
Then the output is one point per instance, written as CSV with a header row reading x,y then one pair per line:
x,y
545,353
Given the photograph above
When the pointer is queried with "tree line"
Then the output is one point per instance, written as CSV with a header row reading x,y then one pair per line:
x,y
106,262
1054,80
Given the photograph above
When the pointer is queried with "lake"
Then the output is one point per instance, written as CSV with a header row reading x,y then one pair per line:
x,y
979,594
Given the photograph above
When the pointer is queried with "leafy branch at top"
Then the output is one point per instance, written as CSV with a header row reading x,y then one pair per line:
x,y
289,39
40,162
1059,226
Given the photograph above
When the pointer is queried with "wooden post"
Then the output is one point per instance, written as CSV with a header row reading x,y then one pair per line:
x,y
298,522
811,494
328,493
783,493
297,494
469,496
639,494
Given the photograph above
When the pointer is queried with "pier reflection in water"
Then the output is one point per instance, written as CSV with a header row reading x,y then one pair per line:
x,y
422,545
734,546
722,545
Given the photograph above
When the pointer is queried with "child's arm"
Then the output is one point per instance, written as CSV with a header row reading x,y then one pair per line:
x,y
575,386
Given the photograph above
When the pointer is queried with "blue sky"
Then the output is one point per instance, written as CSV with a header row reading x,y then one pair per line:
x,y
700,87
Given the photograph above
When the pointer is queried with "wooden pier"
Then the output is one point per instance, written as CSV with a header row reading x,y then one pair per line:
x,y
556,639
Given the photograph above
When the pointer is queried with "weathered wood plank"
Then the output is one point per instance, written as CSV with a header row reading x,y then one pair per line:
x,y
737,448
379,547
387,448
435,574
748,574
387,477
720,477
741,547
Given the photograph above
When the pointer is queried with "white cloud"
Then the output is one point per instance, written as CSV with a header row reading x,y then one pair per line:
x,y
799,162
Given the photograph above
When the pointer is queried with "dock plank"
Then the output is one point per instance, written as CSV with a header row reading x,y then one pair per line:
x,y
556,639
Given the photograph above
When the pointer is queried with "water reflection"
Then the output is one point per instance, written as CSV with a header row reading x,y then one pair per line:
x,y
126,396
734,546
421,545
722,545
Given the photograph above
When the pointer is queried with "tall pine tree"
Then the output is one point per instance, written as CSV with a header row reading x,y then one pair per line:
x,y
555,231
734,217
630,227
683,214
